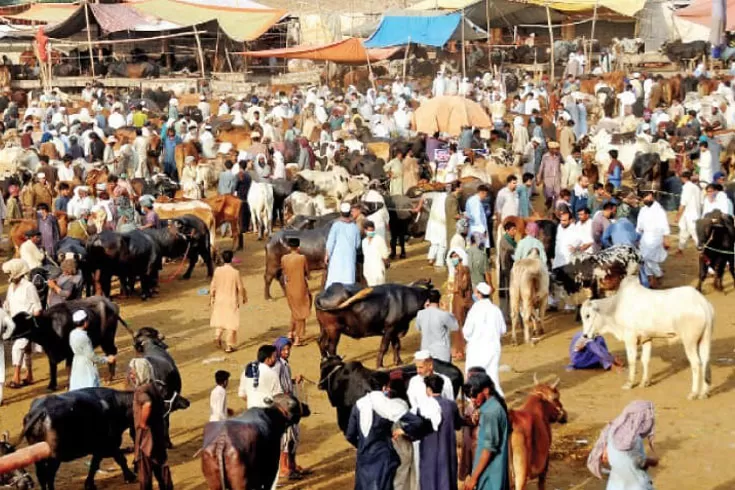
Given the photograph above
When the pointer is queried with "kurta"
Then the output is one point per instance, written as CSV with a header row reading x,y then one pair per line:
x,y
493,437
439,450
626,467
593,355
84,372
451,211
226,291
49,229
342,244
653,226
395,168
436,228
566,141
565,237
482,330
295,272
528,244
550,173
410,173
375,252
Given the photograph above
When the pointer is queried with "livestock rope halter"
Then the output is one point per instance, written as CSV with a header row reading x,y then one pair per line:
x,y
544,397
183,259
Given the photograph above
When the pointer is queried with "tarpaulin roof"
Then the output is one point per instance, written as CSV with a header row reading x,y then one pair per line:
x,y
503,13
625,7
700,12
349,51
239,4
110,17
429,29
239,24
45,13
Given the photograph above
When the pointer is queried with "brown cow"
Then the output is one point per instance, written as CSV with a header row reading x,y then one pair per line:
x,y
530,440
239,137
183,150
226,209
18,231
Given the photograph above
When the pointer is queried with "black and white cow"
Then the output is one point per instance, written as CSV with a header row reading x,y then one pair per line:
x,y
593,275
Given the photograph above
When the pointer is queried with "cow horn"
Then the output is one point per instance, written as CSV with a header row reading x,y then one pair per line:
x,y
535,379
6,436
556,382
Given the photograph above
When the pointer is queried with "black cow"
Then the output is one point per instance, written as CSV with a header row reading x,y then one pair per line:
x,y
649,172
678,51
149,344
403,222
52,327
242,453
17,478
716,241
347,382
547,236
78,423
126,255
157,186
302,222
282,188
184,237
384,310
595,273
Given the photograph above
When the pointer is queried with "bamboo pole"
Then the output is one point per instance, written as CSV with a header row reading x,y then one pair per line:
x,y
592,35
227,54
489,37
199,48
216,49
551,44
405,58
370,70
89,39
464,67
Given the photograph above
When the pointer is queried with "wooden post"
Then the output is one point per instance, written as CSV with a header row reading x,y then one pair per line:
x,y
405,58
551,44
227,54
489,37
199,48
464,68
216,50
592,36
370,70
89,39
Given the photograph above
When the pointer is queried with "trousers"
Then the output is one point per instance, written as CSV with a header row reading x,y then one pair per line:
x,y
21,353
148,469
229,336
687,229
437,252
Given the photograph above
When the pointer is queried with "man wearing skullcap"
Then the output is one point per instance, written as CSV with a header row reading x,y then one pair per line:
x,y
342,244
84,372
550,173
42,191
295,277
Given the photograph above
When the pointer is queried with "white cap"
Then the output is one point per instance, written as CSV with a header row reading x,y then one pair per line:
x,y
202,98
41,175
636,75
242,156
79,316
484,289
422,355
255,134
344,207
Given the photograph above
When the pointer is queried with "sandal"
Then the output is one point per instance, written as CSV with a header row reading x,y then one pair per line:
x,y
229,350
304,471
14,386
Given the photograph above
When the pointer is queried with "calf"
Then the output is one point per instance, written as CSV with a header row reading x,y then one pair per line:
x,y
529,295
530,441
52,327
226,209
716,239
242,453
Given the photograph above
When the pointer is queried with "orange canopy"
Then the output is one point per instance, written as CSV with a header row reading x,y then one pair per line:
x,y
347,51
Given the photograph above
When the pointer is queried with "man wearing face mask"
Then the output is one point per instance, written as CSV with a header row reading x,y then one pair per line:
x,y
375,253
653,227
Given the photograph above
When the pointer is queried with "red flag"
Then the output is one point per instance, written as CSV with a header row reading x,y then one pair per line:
x,y
42,43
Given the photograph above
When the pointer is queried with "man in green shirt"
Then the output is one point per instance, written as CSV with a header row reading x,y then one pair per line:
x,y
479,267
529,243
139,117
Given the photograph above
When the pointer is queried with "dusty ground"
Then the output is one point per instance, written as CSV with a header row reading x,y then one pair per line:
x,y
696,440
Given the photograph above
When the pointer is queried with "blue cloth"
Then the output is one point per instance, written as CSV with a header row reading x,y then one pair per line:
x,y
593,355
226,183
342,244
492,436
429,30
169,155
580,127
524,200
476,215
61,203
616,179
438,465
715,148
101,121
620,232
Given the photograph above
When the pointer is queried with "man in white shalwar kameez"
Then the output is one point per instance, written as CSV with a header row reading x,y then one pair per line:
x,y
436,229
375,252
439,85
482,330
417,396
653,227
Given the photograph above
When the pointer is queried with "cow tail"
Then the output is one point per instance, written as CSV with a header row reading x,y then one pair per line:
x,y
125,324
221,460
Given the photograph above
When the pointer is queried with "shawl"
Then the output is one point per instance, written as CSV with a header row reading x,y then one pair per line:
x,y
376,401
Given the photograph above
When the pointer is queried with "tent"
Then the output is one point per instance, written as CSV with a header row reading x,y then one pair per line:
x,y
350,51
428,29
44,13
693,23
110,18
627,8
503,13
238,23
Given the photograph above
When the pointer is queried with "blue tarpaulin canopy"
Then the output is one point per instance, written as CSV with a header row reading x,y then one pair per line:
x,y
429,30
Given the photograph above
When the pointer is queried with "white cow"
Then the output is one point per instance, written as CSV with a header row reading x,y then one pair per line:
x,y
301,203
260,200
529,295
637,315
334,182
627,152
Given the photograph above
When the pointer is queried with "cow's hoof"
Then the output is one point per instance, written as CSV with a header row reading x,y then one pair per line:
x,y
89,485
51,389
130,477
628,386
703,396
645,384
185,278
692,396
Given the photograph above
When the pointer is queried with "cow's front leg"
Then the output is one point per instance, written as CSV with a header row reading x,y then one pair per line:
x,y
631,349
645,360
382,350
395,342
94,465
52,375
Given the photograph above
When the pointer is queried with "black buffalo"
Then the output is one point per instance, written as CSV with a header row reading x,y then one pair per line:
x,y
649,171
384,310
242,453
678,51
76,424
347,382
282,188
186,237
52,327
128,256
716,241
302,222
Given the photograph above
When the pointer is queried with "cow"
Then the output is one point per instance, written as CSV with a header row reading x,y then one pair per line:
x,y
716,241
385,310
637,315
126,255
260,201
149,344
334,182
529,295
158,185
17,478
242,453
595,273
186,237
76,424
226,209
403,222
201,210
301,204
51,329
133,70
347,381
530,440
649,172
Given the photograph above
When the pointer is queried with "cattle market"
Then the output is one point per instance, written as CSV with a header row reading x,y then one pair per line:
x,y
439,244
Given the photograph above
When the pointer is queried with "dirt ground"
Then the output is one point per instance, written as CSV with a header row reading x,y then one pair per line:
x,y
695,440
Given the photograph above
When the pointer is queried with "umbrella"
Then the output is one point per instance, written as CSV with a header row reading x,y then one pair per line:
x,y
448,114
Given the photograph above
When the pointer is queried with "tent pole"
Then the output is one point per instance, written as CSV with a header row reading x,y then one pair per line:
x,y
216,51
551,44
405,58
464,67
489,36
370,70
199,48
89,39
592,35
227,54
